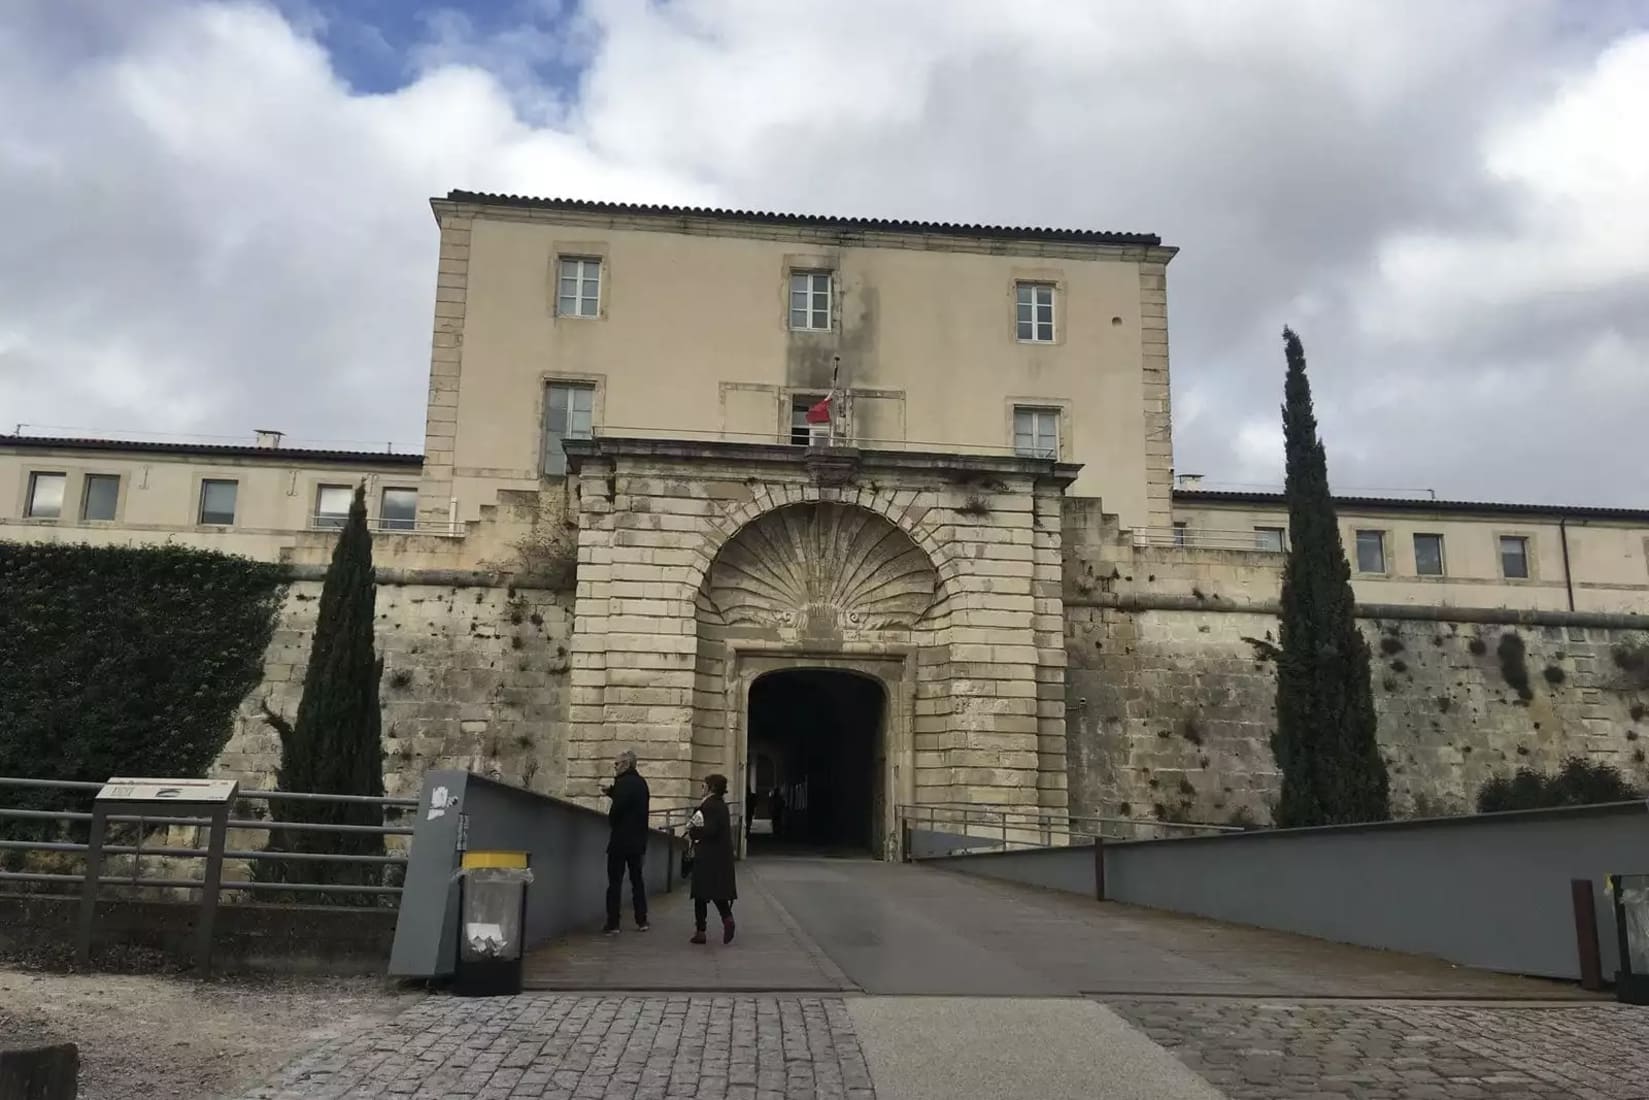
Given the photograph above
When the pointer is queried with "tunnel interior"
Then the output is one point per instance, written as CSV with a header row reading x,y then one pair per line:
x,y
816,762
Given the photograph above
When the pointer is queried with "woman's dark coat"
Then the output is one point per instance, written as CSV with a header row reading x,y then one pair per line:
x,y
713,853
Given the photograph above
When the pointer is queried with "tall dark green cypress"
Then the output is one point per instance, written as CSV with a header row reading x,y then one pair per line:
x,y
1325,744
335,746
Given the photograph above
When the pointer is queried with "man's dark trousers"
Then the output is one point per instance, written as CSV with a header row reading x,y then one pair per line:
x,y
617,862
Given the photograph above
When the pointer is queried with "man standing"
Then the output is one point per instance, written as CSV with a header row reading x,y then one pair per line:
x,y
627,842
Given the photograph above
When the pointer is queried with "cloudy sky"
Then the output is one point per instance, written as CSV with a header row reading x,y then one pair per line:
x,y
215,217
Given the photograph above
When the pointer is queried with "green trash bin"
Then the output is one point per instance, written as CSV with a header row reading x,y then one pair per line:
x,y
492,923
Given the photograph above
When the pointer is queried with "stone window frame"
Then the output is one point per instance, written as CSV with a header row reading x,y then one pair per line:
x,y
1061,405
1039,276
1385,551
597,252
598,408
1530,558
811,263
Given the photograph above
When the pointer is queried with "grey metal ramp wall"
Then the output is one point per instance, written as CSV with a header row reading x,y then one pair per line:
x,y
567,848
1488,890
1069,870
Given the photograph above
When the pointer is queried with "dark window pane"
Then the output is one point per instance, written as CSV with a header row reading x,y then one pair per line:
x,y
46,495
399,511
102,493
1371,551
1428,555
332,505
1514,557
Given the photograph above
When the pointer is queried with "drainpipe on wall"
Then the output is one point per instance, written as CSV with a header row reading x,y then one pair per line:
x,y
1568,577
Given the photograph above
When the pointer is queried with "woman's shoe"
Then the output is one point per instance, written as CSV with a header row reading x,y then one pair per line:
x,y
727,930
698,937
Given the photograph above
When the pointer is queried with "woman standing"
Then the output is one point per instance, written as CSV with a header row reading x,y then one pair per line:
x,y
711,830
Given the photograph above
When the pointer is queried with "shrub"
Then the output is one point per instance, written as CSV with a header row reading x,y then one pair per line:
x,y
1513,665
1579,783
115,660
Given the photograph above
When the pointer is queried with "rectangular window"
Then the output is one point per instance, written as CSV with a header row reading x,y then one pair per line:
x,y
1034,317
101,495
217,502
1514,557
1269,539
398,511
1428,555
1179,534
578,289
45,500
568,414
332,505
810,300
1371,551
801,432
1036,432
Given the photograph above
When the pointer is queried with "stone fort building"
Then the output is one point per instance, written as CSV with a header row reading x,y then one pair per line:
x,y
877,513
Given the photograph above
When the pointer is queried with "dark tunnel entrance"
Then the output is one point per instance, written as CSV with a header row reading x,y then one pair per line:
x,y
817,762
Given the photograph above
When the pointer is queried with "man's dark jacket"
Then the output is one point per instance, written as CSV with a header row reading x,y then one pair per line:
x,y
627,816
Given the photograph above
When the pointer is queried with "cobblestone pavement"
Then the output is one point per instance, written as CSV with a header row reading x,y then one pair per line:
x,y
593,1048
1388,1050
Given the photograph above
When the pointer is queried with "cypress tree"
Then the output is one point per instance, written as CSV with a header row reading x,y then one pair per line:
x,y
335,744
1332,771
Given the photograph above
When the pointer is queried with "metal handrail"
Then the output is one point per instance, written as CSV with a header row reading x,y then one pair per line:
x,y
784,437
1004,825
1204,538
308,796
139,850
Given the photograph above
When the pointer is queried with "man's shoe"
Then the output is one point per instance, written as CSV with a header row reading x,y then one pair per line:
x,y
727,930
698,937
642,926
610,930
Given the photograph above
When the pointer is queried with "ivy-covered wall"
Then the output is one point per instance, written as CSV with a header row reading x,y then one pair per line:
x,y
122,660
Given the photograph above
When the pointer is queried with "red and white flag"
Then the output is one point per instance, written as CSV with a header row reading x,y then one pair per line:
x,y
820,413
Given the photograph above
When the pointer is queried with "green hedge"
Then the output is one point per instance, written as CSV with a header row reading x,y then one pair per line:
x,y
125,660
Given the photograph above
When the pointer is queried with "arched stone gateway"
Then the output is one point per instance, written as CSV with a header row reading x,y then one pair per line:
x,y
839,593
703,567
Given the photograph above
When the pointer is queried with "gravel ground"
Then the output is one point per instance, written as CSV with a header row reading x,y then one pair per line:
x,y
173,1038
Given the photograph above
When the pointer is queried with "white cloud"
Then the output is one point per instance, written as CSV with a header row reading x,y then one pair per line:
x,y
1446,199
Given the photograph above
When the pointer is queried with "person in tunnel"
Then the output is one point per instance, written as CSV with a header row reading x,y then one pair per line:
x,y
775,811
711,830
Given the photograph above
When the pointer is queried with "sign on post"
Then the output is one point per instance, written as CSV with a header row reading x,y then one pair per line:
x,y
168,790
120,797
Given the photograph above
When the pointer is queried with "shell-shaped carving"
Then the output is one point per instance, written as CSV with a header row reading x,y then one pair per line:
x,y
822,567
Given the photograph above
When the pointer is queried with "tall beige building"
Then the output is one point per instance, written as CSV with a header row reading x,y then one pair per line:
x,y
817,502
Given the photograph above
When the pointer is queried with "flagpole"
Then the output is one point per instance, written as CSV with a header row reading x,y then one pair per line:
x,y
835,378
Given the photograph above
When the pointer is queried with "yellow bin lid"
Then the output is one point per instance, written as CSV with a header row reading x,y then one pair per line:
x,y
476,860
